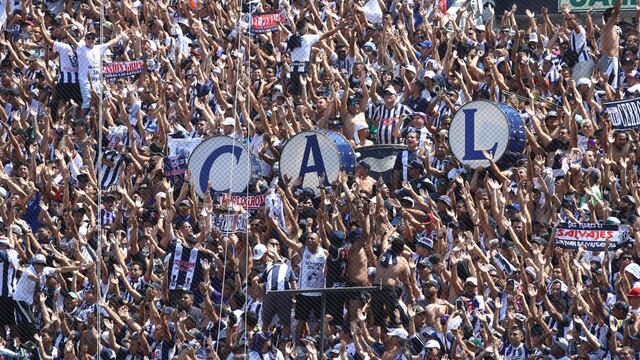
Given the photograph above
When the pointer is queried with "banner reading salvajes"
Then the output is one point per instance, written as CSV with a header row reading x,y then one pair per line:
x,y
592,236
595,5
625,114
263,22
248,202
122,69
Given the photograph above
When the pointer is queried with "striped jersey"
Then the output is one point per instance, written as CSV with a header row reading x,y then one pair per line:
x,y
515,353
184,268
278,277
8,265
68,63
112,162
403,159
387,120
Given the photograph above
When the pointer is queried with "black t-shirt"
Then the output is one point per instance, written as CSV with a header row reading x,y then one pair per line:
x,y
337,265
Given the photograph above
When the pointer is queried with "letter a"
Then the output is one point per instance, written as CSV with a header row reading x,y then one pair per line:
x,y
312,148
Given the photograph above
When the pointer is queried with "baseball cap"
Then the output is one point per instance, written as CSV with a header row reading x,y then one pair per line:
x,y
551,114
371,46
425,241
584,81
480,27
471,280
432,344
410,68
634,293
390,90
399,332
426,44
533,37
364,164
416,164
445,199
429,74
259,251
39,259
228,121
633,269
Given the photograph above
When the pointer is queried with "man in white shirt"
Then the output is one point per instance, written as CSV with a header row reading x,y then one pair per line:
x,y
89,62
32,279
300,47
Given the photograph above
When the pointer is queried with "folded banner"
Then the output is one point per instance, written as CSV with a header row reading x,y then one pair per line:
x,y
122,69
263,22
624,114
592,236
230,223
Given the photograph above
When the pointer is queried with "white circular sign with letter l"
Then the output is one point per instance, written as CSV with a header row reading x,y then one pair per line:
x,y
486,126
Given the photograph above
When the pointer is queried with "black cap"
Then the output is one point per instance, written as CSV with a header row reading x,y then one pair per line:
x,y
363,164
416,164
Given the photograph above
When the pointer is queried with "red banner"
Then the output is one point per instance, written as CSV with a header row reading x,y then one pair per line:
x,y
261,23
122,69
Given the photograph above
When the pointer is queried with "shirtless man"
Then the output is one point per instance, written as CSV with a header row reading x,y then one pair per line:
x,y
356,269
392,269
365,182
609,44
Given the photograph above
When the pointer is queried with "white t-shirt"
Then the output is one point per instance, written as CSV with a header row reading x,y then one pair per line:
x,y
26,286
303,53
89,59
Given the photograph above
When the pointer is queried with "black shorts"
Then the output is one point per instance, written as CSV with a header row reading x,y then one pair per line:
x,y
69,91
276,304
307,304
7,316
384,305
361,295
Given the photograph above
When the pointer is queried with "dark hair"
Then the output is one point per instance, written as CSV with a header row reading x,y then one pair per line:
x,y
607,14
397,245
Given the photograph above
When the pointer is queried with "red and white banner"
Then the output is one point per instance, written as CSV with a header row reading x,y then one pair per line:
x,y
261,23
251,202
592,236
122,69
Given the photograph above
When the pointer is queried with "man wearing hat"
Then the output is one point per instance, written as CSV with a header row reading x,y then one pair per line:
x,y
89,54
231,127
388,117
23,296
9,264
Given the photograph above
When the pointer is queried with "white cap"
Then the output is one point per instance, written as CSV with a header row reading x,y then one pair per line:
x,y
633,269
399,332
390,89
39,259
533,37
472,279
410,68
228,121
432,344
584,81
259,251
429,74
480,27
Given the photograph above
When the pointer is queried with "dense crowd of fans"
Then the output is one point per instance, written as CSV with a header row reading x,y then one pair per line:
x,y
464,261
